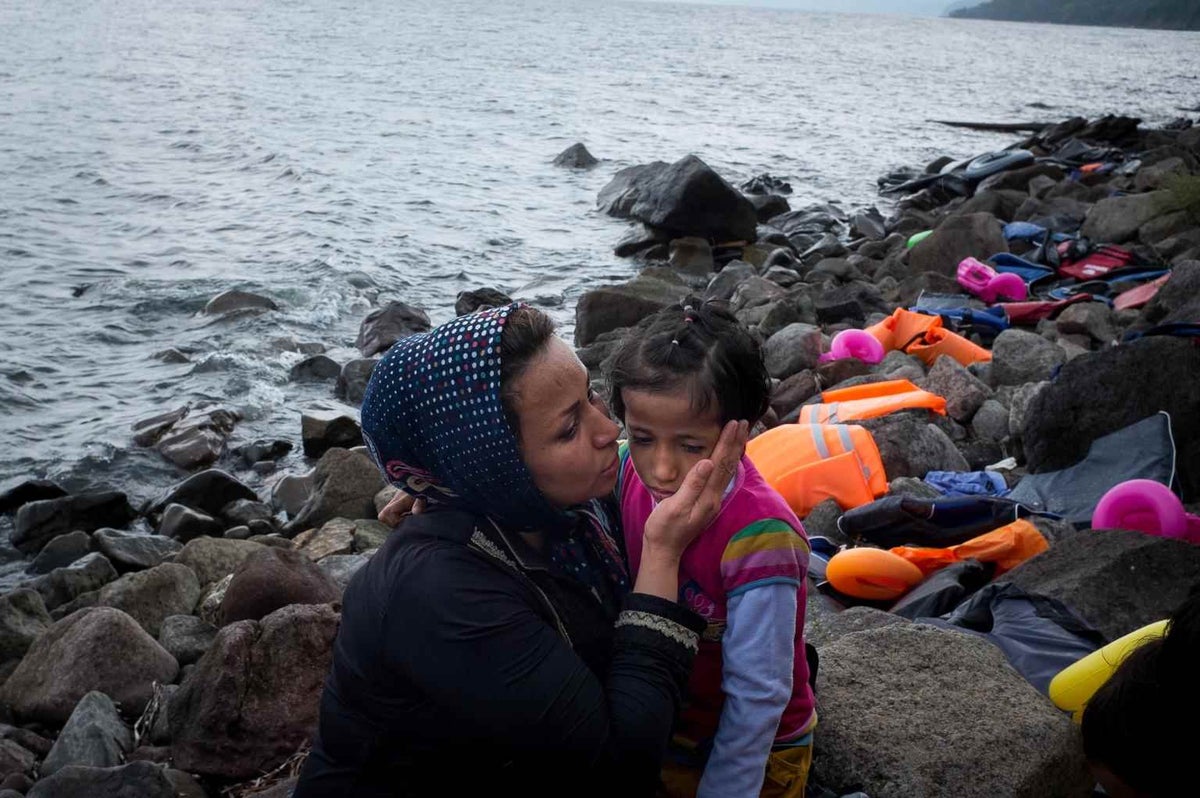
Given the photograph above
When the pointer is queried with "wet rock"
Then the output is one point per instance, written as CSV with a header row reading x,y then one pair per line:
x,y
976,235
198,442
325,428
385,326
246,511
263,450
291,492
1108,390
61,552
253,698
782,276
186,637
1115,220
990,422
1089,318
726,281
794,348
61,585
910,447
826,246
692,256
1020,357
868,224
274,578
352,380
132,551
215,558
611,306
335,536
574,157
99,648
231,301
183,524
39,522
314,369
686,198
768,206
341,567
471,301
23,619
648,243
94,736
1116,580
141,779
150,596
344,486
31,490
997,735
964,393
207,492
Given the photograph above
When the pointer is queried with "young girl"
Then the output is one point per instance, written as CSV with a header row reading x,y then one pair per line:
x,y
747,726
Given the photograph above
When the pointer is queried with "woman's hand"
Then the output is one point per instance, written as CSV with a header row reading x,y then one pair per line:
x,y
401,506
679,519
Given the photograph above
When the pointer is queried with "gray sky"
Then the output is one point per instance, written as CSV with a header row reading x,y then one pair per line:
x,y
923,7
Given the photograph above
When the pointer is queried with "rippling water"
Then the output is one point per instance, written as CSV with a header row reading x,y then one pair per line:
x,y
333,155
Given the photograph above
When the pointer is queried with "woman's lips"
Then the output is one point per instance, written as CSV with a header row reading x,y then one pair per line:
x,y
612,468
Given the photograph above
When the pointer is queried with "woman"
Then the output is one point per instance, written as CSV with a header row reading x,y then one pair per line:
x,y
492,643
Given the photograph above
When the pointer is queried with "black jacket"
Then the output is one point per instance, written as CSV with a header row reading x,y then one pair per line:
x,y
467,665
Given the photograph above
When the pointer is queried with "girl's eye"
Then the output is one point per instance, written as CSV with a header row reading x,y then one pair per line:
x,y
693,449
639,441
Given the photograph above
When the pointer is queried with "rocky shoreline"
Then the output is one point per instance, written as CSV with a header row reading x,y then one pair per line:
x,y
179,648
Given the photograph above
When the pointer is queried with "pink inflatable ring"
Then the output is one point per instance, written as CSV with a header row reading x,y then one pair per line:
x,y
1147,506
856,343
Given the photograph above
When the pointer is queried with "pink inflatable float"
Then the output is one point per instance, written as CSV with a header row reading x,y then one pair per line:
x,y
855,343
1147,506
983,281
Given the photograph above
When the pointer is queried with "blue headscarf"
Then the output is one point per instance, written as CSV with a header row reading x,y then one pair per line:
x,y
434,423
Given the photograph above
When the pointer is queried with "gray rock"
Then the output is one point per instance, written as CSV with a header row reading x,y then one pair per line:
x,y
94,736
152,595
61,551
726,281
385,326
692,255
231,301
210,602
782,276
207,492
896,360
182,523
212,559
15,763
1160,174
789,394
575,157
61,585
1116,580
973,235
99,648
827,246
868,224
39,522
642,241
848,304
471,301
82,601
186,637
1088,318
1115,220
753,292
341,567
1018,409
246,511
253,698
1166,227
135,780
686,198
796,307
995,734
130,550
964,393
768,206
1177,300
23,619
1001,204
822,521
910,447
344,486
1019,357
193,446
315,368
370,534
990,422
273,578
794,348
624,305
27,739
353,378
30,490
335,536
325,428
291,492
835,626
912,487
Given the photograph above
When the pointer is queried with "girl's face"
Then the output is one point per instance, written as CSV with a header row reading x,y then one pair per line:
x,y
667,436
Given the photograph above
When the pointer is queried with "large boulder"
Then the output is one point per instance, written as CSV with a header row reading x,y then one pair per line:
x,y
39,522
99,648
794,348
129,550
325,428
344,486
212,559
964,392
1019,357
315,368
94,736
150,596
82,576
1107,390
686,198
624,305
207,491
911,710
253,697
972,235
29,490
23,619
186,637
1116,220
135,780
911,447
385,326
274,578
61,552
1116,580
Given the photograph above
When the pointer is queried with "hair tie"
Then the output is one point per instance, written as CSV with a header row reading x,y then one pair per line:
x,y
674,342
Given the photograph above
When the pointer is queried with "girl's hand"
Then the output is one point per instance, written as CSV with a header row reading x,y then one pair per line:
x,y
680,518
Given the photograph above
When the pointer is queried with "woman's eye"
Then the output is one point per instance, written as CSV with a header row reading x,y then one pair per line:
x,y
569,432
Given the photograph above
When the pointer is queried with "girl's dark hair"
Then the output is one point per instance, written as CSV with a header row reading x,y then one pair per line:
x,y
700,346
526,333
1138,724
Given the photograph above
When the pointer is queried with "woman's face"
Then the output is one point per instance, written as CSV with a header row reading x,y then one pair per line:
x,y
567,440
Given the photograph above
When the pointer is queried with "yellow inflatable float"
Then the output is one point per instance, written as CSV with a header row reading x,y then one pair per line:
x,y
1075,685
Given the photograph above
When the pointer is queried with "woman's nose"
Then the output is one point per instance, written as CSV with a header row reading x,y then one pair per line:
x,y
607,430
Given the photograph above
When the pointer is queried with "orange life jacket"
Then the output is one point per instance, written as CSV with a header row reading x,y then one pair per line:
x,y
1007,547
923,336
870,401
